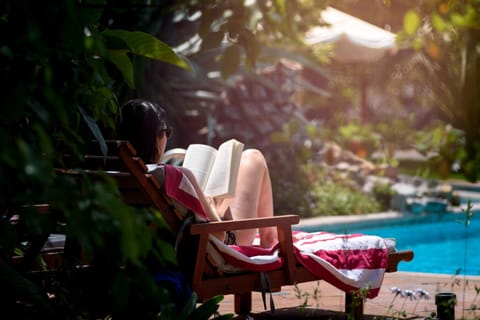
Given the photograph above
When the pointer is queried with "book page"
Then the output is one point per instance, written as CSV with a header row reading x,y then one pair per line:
x,y
199,158
223,177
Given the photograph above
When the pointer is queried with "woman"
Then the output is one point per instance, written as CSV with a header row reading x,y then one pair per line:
x,y
144,124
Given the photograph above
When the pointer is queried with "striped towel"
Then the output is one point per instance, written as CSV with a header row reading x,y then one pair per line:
x,y
349,262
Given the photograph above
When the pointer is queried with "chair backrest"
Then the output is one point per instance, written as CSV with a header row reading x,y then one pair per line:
x,y
137,187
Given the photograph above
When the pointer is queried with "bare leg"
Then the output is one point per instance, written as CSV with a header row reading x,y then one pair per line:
x,y
253,198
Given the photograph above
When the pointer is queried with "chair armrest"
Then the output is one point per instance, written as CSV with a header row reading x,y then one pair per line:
x,y
276,221
395,258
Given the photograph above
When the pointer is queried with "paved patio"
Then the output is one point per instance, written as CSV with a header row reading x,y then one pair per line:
x,y
330,302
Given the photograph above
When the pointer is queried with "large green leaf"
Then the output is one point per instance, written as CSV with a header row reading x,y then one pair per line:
x,y
209,308
121,60
91,14
188,308
146,45
93,126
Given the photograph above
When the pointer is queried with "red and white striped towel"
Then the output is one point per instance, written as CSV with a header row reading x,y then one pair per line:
x,y
236,258
349,262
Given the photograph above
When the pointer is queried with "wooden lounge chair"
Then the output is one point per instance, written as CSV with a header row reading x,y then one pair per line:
x,y
139,188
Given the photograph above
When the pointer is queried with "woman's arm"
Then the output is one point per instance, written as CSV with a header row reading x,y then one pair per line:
x,y
206,201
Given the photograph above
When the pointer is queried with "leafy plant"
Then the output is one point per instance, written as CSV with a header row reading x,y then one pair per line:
x,y
203,312
468,215
304,296
445,34
383,193
333,198
61,82
362,140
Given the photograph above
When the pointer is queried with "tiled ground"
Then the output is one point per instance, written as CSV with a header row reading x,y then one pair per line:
x,y
330,304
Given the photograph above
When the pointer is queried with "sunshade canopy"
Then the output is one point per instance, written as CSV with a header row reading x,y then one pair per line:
x,y
354,40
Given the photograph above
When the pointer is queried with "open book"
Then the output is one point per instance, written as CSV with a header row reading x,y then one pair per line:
x,y
215,170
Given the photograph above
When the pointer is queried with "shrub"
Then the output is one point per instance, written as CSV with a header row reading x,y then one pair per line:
x,y
330,198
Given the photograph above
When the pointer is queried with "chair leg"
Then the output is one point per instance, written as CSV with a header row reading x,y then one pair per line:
x,y
243,303
353,306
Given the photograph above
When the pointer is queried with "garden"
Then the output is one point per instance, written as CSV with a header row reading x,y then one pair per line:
x,y
331,130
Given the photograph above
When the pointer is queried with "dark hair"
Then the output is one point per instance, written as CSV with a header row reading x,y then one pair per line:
x,y
140,122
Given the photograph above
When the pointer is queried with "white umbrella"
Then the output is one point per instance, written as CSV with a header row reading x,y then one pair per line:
x,y
354,40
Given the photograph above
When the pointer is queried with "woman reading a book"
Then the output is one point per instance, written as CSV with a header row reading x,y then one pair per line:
x,y
144,124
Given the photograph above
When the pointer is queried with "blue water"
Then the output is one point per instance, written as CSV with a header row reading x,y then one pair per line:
x,y
441,242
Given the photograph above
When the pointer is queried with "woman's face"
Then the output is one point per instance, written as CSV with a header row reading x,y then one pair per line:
x,y
161,145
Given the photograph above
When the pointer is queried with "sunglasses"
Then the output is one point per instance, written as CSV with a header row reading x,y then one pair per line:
x,y
167,130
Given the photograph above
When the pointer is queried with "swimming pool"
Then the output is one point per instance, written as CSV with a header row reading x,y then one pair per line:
x,y
437,240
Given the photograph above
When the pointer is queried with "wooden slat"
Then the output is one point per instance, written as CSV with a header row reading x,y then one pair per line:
x,y
147,183
135,198
96,162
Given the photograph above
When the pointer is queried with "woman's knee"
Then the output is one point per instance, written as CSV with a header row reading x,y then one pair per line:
x,y
253,157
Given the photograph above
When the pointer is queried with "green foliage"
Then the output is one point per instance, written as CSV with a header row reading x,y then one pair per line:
x,y
304,296
362,139
383,194
336,195
332,199
305,187
141,44
236,33
448,40
291,184
204,312
411,22
62,75
117,233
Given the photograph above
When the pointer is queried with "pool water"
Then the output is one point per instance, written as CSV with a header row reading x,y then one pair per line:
x,y
441,242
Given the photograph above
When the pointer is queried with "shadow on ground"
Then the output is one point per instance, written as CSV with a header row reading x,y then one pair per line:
x,y
298,313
